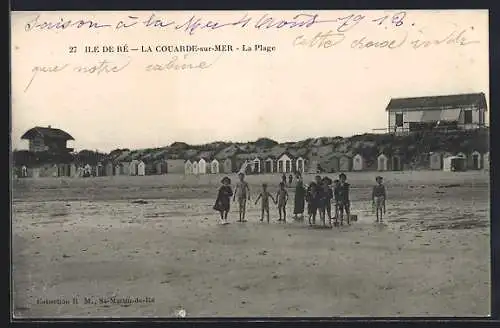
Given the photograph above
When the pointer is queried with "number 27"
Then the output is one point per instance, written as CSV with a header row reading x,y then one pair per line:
x,y
72,50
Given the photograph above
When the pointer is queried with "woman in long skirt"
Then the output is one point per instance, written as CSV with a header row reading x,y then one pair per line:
x,y
299,200
223,201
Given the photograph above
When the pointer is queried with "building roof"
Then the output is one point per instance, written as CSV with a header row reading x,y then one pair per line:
x,y
437,102
46,133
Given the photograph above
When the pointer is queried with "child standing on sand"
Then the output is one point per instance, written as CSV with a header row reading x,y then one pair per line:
x,y
242,191
264,195
282,199
312,207
336,197
344,202
223,201
327,199
378,197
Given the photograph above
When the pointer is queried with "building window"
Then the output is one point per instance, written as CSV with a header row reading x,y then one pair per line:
x,y
467,116
399,119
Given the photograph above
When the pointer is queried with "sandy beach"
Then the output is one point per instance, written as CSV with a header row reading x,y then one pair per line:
x,y
85,241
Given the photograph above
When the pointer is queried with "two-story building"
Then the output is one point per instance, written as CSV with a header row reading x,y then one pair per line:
x,y
47,139
454,112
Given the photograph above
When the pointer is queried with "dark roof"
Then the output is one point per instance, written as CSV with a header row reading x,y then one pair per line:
x,y
46,133
437,102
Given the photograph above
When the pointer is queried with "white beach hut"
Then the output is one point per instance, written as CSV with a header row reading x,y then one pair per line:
x,y
475,160
195,168
256,165
214,166
202,166
141,168
300,165
382,162
188,167
285,164
357,163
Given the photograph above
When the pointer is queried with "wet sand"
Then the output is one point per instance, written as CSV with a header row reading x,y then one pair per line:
x,y
88,239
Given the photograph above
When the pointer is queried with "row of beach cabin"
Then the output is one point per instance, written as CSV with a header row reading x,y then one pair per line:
x,y
344,163
286,163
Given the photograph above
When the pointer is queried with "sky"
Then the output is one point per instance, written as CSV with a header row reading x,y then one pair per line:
x,y
295,92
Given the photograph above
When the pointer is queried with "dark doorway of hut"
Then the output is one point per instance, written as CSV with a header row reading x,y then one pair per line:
x,y
475,161
269,168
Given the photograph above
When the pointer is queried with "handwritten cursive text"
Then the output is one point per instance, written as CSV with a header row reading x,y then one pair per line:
x,y
181,64
199,22
102,66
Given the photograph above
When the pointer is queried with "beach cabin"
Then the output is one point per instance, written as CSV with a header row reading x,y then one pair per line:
x,y
486,161
285,163
256,166
334,164
382,162
214,166
99,172
227,165
269,165
300,165
475,161
150,168
188,167
118,169
462,155
54,171
436,161
454,163
161,167
125,168
72,170
61,170
358,163
344,163
109,169
133,167
396,163
202,166
141,168
196,167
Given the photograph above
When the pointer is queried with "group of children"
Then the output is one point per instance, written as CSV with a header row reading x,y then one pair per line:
x,y
320,195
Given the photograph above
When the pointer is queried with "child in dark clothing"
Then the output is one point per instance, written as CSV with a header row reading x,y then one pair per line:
x,y
336,184
344,202
311,202
223,201
327,199
378,198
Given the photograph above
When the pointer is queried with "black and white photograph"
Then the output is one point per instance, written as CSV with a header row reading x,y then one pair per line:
x,y
212,164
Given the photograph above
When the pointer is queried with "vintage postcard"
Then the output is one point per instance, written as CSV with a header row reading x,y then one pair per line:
x,y
250,164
